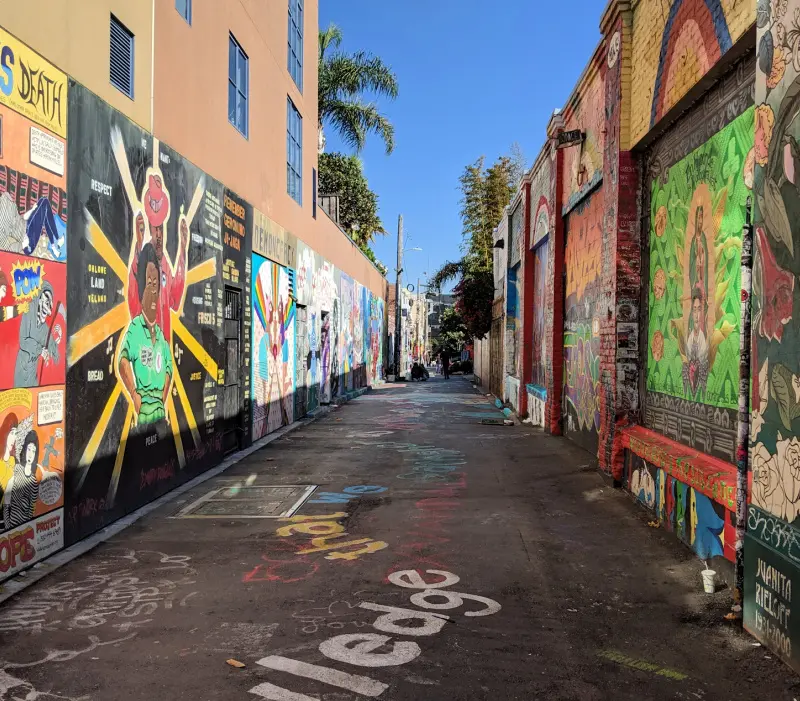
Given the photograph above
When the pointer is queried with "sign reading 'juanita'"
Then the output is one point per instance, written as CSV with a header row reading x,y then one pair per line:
x,y
272,241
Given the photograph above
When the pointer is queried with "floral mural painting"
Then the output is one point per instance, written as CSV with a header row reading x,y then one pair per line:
x,y
698,213
775,390
774,477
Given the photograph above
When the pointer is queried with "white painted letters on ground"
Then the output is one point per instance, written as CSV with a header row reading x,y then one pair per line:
x,y
358,649
351,682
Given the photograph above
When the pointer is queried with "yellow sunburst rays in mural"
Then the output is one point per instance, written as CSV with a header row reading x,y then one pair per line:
x,y
117,319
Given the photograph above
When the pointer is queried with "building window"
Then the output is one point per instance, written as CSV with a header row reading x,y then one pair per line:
x,y
313,191
121,66
294,152
238,80
184,8
295,64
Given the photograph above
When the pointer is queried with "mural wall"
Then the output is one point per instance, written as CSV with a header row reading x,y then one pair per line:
x,y
582,168
273,344
33,308
145,360
539,346
582,260
702,523
675,43
698,210
772,553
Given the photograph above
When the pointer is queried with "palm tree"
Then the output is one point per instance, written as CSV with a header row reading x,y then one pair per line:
x,y
342,80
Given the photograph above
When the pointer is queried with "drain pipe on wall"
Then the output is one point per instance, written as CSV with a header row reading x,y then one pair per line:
x,y
743,433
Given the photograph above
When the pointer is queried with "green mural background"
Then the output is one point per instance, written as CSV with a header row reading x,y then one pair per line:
x,y
698,215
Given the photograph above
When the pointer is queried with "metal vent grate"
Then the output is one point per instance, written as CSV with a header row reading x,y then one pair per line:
x,y
121,54
232,304
239,501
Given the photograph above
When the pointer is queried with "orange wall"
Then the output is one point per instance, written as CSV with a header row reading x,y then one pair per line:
x,y
191,113
74,35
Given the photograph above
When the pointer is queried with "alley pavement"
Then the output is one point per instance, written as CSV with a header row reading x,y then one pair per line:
x,y
438,557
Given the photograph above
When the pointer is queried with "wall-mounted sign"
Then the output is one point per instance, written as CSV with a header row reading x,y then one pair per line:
x,y
32,86
272,241
569,138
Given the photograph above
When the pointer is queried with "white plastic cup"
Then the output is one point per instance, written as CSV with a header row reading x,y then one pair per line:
x,y
709,581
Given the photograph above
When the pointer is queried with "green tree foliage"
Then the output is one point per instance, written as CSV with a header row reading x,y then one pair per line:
x,y
358,205
452,333
485,193
343,80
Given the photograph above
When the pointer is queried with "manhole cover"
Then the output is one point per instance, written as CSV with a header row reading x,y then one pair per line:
x,y
248,502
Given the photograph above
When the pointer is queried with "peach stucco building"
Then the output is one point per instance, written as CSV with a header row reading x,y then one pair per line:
x,y
180,94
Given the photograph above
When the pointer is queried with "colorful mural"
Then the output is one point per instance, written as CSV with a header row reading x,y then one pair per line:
x,y
773,527
145,352
273,367
582,259
698,210
33,308
375,361
675,43
540,281
582,168
702,523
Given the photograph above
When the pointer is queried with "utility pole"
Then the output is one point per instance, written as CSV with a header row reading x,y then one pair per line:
x,y
398,302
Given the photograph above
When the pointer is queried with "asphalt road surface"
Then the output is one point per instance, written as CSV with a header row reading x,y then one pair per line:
x,y
438,558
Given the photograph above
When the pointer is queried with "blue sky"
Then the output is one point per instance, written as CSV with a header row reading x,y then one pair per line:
x,y
475,76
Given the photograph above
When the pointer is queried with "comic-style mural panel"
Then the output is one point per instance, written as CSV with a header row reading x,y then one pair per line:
x,y
698,212
273,347
31,476
33,321
33,307
145,346
582,261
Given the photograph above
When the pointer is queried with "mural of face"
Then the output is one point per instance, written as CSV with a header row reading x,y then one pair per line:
x,y
45,306
150,294
30,456
156,206
8,435
157,235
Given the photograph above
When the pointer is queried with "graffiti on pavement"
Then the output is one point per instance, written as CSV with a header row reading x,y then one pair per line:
x,y
375,650
426,533
348,493
428,463
325,532
283,564
112,593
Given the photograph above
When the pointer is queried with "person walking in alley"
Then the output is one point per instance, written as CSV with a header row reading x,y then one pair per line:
x,y
445,356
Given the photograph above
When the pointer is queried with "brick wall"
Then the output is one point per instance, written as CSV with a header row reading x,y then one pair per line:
x,y
674,44
583,164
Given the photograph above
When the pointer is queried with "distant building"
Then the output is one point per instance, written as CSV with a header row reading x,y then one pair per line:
x,y
436,307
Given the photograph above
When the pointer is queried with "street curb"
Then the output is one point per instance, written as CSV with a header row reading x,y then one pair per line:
x,y
40,570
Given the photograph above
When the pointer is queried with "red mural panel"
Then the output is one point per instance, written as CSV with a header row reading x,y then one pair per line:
x,y
33,321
